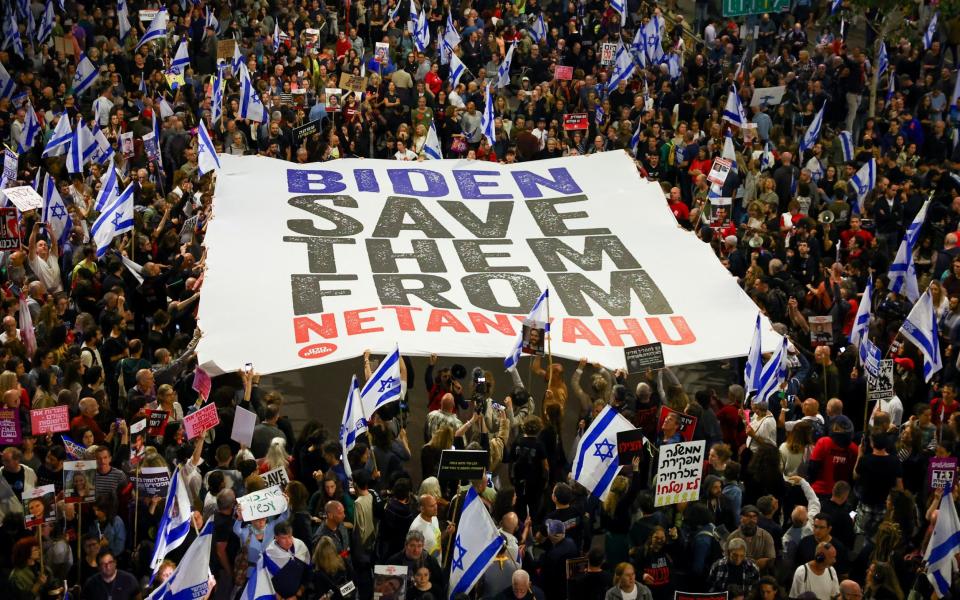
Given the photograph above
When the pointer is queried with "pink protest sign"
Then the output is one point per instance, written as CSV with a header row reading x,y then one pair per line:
x,y
202,420
201,383
50,420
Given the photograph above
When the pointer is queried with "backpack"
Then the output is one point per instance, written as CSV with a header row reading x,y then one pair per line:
x,y
716,548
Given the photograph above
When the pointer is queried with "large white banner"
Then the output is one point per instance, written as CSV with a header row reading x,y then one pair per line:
x,y
309,264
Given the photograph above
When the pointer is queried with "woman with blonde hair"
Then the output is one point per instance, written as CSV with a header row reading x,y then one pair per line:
x,y
795,452
430,452
276,457
625,585
330,571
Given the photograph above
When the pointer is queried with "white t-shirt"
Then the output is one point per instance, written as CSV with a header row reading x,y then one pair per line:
x,y
431,534
630,595
805,580
765,428
892,407
47,271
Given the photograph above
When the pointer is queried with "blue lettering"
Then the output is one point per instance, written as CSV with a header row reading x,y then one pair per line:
x,y
301,181
400,178
529,183
470,187
366,180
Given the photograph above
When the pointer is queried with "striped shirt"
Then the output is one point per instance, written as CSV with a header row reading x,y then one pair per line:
x,y
111,482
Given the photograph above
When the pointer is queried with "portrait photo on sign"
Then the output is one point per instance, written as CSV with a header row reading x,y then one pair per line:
x,y
389,582
78,481
40,506
533,337
334,99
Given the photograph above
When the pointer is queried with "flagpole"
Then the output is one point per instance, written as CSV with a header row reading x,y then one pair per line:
x,y
549,349
79,536
136,506
453,517
40,542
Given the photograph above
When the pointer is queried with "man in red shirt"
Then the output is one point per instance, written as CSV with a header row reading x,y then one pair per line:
x,y
680,210
864,236
86,420
946,404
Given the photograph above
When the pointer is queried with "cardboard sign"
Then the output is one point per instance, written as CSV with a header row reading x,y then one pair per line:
x,y
49,420
688,423
156,421
10,233
63,46
563,73
306,130
821,329
225,49
78,481
243,423
175,80
152,481
201,383
679,468
642,358
768,96
463,464
353,83
10,161
24,197
10,426
577,567
200,421
576,121
262,504
40,506
629,445
277,476
941,473
607,52
719,170
381,52
880,387
701,595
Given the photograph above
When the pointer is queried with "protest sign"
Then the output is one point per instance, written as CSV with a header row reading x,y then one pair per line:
x,y
225,49
10,426
243,423
607,51
880,386
389,582
78,481
277,476
126,143
563,73
821,329
381,52
678,472
353,83
200,421
201,383
156,421
630,444
941,473
768,96
688,423
569,224
577,567
175,80
642,358
576,121
49,420
24,197
138,426
63,45
40,506
10,161
334,97
148,14
701,595
304,131
462,464
10,232
719,171
262,504
153,481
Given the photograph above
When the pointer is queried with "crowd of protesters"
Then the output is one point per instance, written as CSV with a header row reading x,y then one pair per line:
x,y
815,495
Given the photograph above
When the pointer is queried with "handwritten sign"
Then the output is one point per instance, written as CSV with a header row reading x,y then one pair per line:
x,y
225,49
202,383
198,422
678,472
10,426
353,83
562,73
277,476
688,423
50,420
262,504
941,473
24,197
630,444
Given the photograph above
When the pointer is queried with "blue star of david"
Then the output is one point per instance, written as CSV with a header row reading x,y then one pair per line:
x,y
57,211
862,188
116,219
386,383
603,450
459,552
652,42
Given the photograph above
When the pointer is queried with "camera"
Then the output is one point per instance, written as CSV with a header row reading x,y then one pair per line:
x,y
479,397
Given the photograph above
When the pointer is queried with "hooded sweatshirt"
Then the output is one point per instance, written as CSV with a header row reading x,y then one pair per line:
x,y
833,457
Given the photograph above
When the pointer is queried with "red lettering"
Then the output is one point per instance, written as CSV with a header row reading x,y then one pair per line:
x,y
481,323
353,322
404,316
574,329
303,326
679,323
615,335
441,317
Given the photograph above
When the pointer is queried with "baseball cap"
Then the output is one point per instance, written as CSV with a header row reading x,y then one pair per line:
x,y
555,527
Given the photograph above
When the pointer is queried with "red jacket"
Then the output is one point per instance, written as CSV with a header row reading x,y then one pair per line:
x,y
731,426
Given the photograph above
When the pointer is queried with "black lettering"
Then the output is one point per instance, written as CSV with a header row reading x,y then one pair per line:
x,y
474,259
571,288
394,216
307,294
496,225
383,259
320,251
550,250
525,291
345,225
393,292
551,222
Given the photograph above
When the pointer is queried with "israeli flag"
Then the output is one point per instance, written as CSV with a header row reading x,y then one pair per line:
x,y
863,181
652,42
635,138
116,220
432,146
103,151
673,66
774,372
891,85
538,31
109,188
729,152
956,90
74,450
30,132
450,40
175,521
920,327
944,544
503,71
870,356
86,74
82,145
250,105
237,60
207,159
62,135
384,385
537,318
54,211
260,584
46,23
157,30
191,578
123,19
861,323
813,131
457,69
883,60
596,461
846,145
835,6
753,370
413,18
733,113
487,125
621,7
7,84
163,107
12,34
392,15
928,35
211,22
623,67
913,229
353,423
181,60
475,545
216,104
903,273
276,36
600,115
421,31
